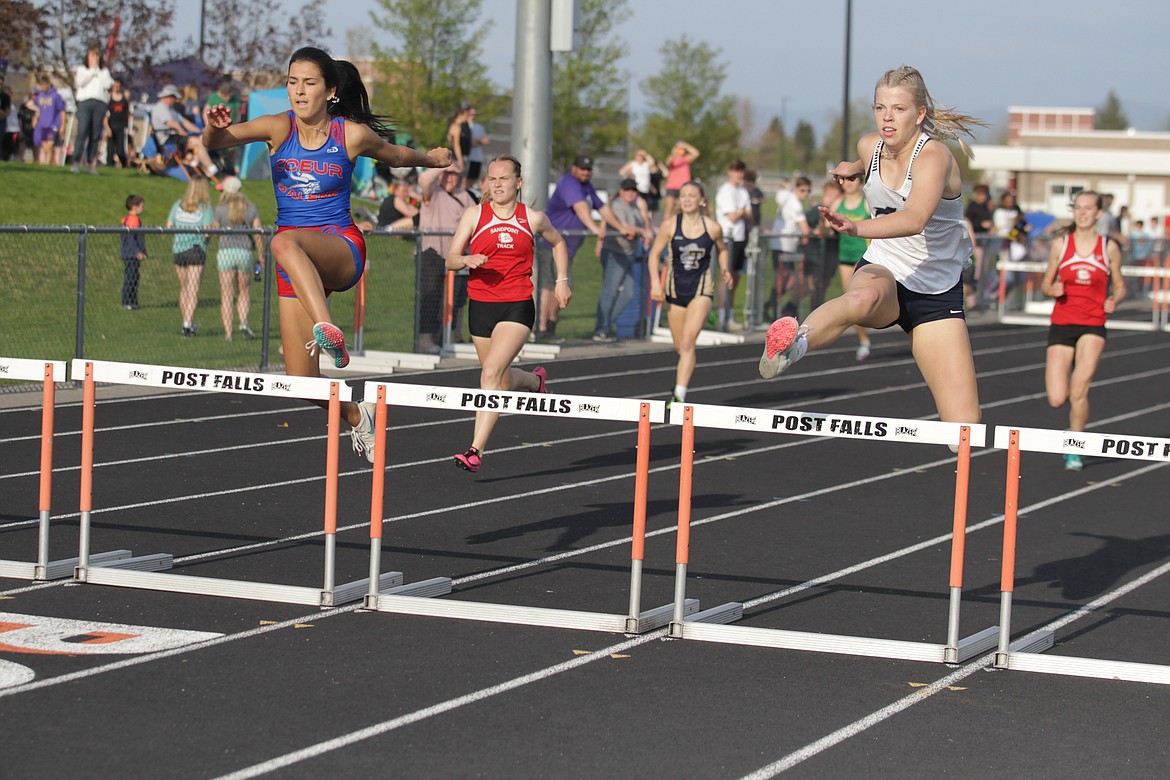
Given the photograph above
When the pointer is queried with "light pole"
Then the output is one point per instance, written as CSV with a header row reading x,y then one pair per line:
x,y
845,99
783,131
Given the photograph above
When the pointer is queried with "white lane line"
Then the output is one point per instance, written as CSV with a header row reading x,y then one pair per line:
x,y
161,654
386,726
922,694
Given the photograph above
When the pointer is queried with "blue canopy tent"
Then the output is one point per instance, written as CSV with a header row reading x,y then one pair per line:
x,y
254,163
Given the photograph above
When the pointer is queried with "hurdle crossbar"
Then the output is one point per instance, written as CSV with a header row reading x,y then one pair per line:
x,y
960,436
144,571
419,598
1030,658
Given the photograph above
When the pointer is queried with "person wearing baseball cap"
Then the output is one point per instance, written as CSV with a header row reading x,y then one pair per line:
x,y
171,127
570,209
619,256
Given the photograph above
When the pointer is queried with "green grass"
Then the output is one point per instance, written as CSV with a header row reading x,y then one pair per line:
x,y
39,297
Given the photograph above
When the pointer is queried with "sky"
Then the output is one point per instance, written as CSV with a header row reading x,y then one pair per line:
x,y
788,56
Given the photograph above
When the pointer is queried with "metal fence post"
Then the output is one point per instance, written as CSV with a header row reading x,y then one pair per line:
x,y
418,292
79,344
265,328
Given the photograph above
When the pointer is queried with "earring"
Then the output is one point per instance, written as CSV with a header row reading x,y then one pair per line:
x,y
334,99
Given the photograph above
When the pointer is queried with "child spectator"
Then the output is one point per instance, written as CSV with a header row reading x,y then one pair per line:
x,y
133,251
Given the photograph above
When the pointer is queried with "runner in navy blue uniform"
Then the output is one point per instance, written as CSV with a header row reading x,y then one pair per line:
x,y
689,287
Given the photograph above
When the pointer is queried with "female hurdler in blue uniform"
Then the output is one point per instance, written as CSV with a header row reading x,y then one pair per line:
x,y
318,249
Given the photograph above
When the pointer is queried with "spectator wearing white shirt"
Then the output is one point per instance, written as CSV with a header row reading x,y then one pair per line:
x,y
733,211
793,240
93,82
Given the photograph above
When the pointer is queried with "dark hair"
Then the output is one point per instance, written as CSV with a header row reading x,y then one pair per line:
x,y
133,200
737,165
803,181
353,102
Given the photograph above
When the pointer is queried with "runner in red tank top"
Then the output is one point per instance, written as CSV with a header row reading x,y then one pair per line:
x,y
500,309
1080,271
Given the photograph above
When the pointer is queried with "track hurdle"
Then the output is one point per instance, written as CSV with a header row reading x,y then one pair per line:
x,y
711,626
419,598
1026,654
48,372
143,572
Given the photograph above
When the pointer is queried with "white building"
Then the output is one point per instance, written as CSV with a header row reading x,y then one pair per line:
x,y
1053,153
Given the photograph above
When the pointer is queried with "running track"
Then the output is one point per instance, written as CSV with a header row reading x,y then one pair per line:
x,y
812,534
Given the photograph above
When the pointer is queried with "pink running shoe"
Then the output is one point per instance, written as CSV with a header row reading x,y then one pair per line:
x,y
782,335
542,375
331,341
468,461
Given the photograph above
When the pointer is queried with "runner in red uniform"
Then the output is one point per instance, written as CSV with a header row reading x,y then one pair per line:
x,y
318,249
499,233
1080,271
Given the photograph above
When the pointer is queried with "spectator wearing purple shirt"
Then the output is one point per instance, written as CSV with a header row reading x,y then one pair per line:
x,y
570,209
50,111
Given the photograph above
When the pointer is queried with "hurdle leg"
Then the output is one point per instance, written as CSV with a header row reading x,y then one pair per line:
x,y
86,499
638,543
1007,573
48,401
378,582
114,559
958,650
682,545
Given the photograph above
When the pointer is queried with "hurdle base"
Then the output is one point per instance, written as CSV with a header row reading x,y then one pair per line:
x,y
971,646
871,647
1036,642
423,589
658,617
720,615
354,591
1100,668
137,563
212,586
498,613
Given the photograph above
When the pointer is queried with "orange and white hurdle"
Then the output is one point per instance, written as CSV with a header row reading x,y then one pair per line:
x,y
49,372
711,626
142,572
418,598
1026,653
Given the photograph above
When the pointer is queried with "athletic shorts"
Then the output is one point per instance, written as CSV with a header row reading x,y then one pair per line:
x,y
357,247
683,288
234,259
915,308
196,255
672,193
483,316
1068,335
738,252
43,134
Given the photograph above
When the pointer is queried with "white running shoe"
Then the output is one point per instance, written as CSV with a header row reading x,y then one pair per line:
x,y
863,352
783,346
363,433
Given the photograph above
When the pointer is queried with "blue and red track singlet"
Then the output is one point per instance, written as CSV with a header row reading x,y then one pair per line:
x,y
312,192
312,185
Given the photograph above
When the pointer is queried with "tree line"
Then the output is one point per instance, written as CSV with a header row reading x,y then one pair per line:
x,y
432,60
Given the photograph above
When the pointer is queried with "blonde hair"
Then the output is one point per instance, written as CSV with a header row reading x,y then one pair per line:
x,y
237,208
197,196
941,122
